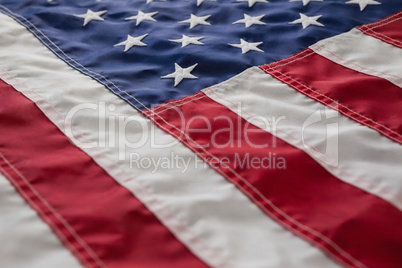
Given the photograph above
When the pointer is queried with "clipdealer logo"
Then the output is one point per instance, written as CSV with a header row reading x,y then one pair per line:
x,y
135,137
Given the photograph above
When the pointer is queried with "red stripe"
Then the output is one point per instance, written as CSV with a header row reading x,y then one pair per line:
x,y
99,220
304,197
369,100
387,30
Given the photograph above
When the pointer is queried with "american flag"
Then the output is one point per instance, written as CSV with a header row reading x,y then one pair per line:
x,y
200,133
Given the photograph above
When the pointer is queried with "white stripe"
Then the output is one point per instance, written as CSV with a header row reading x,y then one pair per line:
x,y
212,217
26,241
356,154
363,53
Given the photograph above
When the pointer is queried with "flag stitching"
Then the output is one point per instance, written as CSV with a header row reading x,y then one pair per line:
x,y
383,37
371,185
325,239
167,214
178,105
54,213
370,28
46,219
270,70
174,101
325,101
319,48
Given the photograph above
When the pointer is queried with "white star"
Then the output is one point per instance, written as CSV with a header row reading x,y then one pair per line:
x,y
252,2
246,46
181,73
194,20
149,1
307,21
132,41
90,15
141,16
363,3
186,40
306,2
249,20
199,2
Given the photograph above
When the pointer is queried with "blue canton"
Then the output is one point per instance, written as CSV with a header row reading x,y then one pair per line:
x,y
150,51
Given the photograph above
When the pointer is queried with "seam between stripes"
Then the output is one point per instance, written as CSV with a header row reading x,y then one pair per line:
x,y
363,70
278,210
46,219
287,61
179,225
266,68
370,28
168,103
180,104
314,233
382,37
339,110
54,213
371,185
253,115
